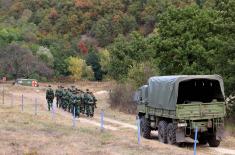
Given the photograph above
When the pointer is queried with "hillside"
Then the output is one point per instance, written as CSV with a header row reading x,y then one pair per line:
x,y
124,40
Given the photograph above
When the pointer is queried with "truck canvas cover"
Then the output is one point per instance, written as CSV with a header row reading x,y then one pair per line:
x,y
163,90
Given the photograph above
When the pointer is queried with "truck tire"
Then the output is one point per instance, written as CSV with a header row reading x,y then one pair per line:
x,y
213,142
171,134
202,139
145,128
162,131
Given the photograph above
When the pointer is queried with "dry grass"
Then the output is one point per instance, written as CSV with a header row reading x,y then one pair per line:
x,y
25,133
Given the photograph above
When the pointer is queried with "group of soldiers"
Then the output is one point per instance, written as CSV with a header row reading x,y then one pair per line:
x,y
73,100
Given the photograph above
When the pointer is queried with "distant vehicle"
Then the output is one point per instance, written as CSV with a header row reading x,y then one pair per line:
x,y
177,105
27,82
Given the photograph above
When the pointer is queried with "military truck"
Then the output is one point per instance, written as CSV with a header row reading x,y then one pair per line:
x,y
27,82
177,105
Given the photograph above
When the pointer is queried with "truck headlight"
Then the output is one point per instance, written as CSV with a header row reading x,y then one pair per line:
x,y
182,125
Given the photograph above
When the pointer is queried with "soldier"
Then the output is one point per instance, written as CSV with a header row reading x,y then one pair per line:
x,y
76,104
57,96
60,95
49,97
82,105
92,104
94,99
89,104
64,100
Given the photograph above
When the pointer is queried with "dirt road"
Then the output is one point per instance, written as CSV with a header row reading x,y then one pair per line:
x,y
123,126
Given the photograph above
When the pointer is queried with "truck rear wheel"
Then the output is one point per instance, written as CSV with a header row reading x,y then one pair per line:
x,y
145,128
202,139
171,134
213,142
162,131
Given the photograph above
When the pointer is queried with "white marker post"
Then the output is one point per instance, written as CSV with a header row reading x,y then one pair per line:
x,y
52,111
74,118
102,120
3,93
138,129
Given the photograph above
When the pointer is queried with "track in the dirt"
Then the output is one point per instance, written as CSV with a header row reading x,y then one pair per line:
x,y
114,125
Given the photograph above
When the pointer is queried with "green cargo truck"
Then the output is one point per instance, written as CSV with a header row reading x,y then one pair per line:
x,y
177,105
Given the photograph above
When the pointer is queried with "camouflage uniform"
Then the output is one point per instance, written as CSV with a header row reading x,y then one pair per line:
x,y
89,104
57,96
82,105
64,99
49,97
76,100
60,95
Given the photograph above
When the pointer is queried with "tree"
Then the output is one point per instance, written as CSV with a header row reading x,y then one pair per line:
x,y
104,57
16,61
93,60
225,56
126,51
139,73
184,36
75,66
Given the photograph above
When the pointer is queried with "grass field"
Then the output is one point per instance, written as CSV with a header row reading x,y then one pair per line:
x,y
23,132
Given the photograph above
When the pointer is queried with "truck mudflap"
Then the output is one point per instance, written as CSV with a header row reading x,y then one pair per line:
x,y
180,136
220,132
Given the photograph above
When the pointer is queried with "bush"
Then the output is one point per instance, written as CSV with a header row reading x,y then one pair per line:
x,y
230,108
139,74
87,72
75,66
121,97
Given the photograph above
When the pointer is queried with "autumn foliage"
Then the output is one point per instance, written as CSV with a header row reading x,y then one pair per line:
x,y
83,4
82,47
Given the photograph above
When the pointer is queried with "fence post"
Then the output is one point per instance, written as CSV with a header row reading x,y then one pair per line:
x,y
138,129
36,106
74,118
22,103
52,110
195,141
102,120
3,93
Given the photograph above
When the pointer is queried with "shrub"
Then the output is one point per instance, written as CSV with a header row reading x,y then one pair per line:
x,y
139,73
121,97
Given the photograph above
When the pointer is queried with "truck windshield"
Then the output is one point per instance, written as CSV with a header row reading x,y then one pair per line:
x,y
199,90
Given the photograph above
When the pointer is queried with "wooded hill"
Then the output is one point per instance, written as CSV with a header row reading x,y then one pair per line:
x,y
127,40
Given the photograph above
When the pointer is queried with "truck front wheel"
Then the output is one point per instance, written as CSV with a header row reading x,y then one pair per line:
x,y
162,131
213,142
145,128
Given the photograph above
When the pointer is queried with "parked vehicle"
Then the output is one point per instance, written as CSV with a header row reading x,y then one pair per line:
x,y
27,82
177,105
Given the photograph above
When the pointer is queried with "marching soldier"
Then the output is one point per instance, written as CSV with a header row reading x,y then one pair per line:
x,y
82,105
57,96
60,95
76,104
89,104
49,97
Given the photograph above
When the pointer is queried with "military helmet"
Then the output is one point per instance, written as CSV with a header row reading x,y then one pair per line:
x,y
49,85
